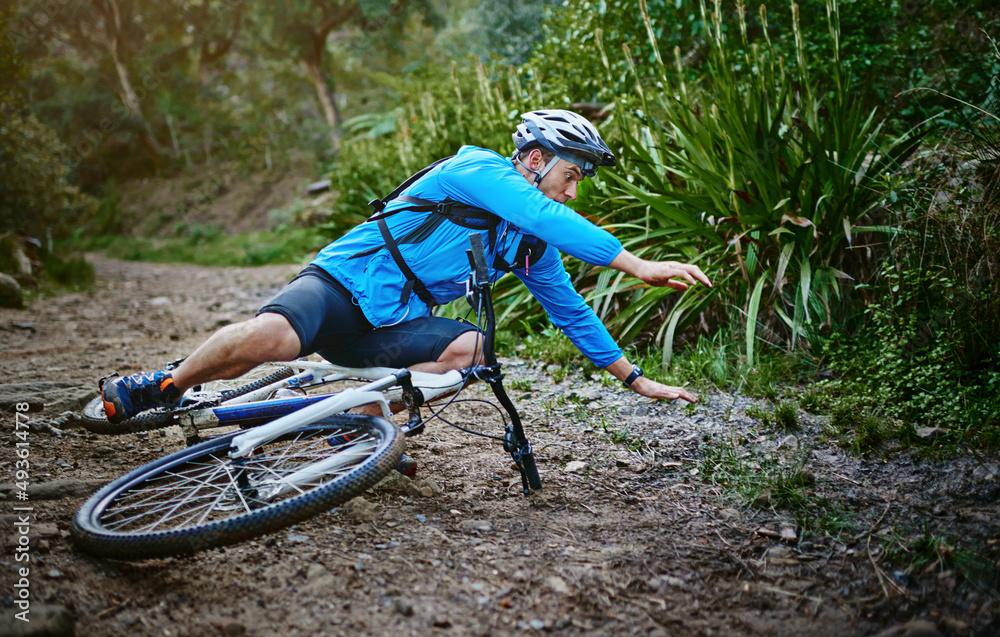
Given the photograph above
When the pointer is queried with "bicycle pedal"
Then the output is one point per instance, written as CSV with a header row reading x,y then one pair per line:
x,y
413,431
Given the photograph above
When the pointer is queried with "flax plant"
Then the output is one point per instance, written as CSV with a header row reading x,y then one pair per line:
x,y
757,174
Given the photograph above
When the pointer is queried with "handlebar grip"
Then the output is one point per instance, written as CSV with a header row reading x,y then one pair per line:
x,y
479,256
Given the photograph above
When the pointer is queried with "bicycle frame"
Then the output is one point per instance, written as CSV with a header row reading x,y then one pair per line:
x,y
256,406
414,388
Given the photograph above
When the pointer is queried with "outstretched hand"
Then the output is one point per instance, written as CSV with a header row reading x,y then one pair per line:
x,y
671,274
652,389
667,273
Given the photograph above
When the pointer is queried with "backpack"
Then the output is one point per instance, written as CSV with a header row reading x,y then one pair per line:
x,y
440,211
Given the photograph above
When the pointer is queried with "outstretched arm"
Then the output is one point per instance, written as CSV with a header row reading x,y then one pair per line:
x,y
659,273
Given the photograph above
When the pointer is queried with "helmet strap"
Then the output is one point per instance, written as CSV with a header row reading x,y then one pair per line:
x,y
538,175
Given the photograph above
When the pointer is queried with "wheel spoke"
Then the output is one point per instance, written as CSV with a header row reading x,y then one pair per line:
x,y
179,484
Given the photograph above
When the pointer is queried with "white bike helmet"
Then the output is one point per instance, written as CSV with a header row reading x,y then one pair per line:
x,y
569,135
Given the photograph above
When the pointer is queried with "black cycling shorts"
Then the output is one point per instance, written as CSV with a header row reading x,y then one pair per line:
x,y
329,323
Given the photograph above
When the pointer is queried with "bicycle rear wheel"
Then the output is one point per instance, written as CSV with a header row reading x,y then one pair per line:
x,y
95,420
199,498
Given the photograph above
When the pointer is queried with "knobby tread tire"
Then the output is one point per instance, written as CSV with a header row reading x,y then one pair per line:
x,y
95,420
91,535
281,374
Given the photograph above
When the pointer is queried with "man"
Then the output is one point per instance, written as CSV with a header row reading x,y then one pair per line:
x,y
366,299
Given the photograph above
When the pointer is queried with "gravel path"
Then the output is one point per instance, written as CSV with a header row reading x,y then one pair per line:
x,y
629,536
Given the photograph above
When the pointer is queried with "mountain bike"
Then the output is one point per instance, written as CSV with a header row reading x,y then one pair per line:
x,y
309,456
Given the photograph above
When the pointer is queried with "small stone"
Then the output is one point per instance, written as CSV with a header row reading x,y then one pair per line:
x,y
298,538
575,466
762,500
789,442
10,292
314,572
476,526
361,509
537,624
557,584
986,473
441,622
403,607
229,626
398,483
428,487
53,574
46,530
788,534
778,553
952,625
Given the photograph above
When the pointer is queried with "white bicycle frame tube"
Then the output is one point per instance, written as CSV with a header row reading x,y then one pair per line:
x,y
430,385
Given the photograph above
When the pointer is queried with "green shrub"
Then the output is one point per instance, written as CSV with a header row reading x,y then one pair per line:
x,y
858,428
929,350
35,197
759,413
786,415
763,179
813,401
74,271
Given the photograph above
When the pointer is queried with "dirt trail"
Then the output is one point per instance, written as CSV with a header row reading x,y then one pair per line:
x,y
624,539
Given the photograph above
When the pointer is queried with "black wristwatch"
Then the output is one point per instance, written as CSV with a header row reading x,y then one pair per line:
x,y
636,373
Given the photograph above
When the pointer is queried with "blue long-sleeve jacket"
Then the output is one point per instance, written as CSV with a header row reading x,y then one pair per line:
x,y
483,179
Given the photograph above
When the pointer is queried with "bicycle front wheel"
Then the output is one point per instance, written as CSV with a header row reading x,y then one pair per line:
x,y
200,498
96,420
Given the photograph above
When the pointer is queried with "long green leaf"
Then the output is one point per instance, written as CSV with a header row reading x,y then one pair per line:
x,y
753,309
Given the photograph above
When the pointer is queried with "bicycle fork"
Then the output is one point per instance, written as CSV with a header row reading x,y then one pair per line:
x,y
515,442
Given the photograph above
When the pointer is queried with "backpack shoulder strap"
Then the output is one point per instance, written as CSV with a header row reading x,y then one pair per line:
x,y
380,204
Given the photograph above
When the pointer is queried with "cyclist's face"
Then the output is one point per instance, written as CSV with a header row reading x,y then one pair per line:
x,y
559,184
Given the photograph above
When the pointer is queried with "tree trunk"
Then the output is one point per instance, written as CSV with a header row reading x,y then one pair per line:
x,y
112,35
327,98
131,99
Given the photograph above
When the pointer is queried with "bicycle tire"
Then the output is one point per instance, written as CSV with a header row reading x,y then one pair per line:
x,y
150,512
95,420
